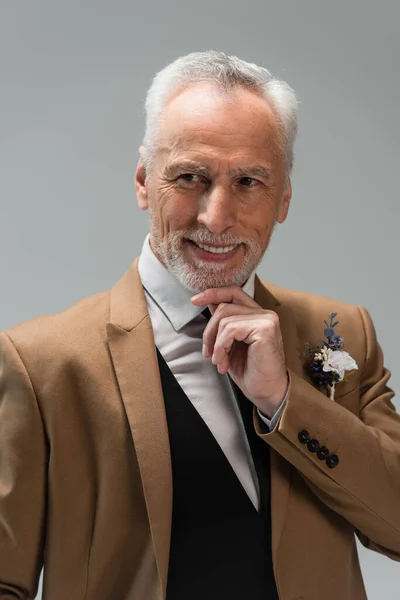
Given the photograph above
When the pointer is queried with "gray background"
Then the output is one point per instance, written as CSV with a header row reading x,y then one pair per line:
x,y
73,80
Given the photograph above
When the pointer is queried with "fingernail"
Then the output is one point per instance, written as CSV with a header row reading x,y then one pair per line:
x,y
205,351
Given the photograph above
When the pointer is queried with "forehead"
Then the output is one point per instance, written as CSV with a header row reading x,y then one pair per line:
x,y
201,120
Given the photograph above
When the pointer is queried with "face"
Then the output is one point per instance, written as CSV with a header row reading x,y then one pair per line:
x,y
217,186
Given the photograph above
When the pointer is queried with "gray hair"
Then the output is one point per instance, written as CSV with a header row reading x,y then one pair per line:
x,y
227,72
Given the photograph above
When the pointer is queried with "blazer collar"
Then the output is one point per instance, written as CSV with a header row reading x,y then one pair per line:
x,y
128,306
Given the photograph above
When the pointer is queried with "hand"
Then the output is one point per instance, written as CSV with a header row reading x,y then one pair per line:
x,y
245,340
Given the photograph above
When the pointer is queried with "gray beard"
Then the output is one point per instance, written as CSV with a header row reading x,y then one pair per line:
x,y
199,275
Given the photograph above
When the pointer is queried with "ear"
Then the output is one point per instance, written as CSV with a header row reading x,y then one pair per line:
x,y
284,208
141,183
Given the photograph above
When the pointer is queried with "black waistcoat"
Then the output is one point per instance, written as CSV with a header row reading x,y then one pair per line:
x,y
220,544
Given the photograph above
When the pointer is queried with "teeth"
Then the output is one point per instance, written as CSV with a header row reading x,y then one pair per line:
x,y
221,250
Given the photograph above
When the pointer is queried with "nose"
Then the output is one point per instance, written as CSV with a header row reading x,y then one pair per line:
x,y
217,209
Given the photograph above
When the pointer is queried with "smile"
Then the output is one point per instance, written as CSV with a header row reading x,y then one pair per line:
x,y
217,249
213,253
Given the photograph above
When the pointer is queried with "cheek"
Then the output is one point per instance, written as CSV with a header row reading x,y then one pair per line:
x,y
259,222
173,212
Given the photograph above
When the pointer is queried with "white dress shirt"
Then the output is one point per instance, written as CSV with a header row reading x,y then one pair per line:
x,y
178,327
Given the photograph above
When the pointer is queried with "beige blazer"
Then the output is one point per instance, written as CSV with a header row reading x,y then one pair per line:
x,y
85,469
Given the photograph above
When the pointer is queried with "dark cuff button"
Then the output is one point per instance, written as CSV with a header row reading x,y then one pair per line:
x,y
304,436
313,445
323,453
332,461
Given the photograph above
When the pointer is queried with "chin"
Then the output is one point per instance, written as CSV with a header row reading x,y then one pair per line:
x,y
196,280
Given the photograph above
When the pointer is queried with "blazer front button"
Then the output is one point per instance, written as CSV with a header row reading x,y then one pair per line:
x,y
304,436
313,445
323,453
332,461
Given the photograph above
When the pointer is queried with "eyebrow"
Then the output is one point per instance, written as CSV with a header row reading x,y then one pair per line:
x,y
187,166
193,167
255,170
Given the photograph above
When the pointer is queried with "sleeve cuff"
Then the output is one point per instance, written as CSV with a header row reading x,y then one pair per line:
x,y
275,418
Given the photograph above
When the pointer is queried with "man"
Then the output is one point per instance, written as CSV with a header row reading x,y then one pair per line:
x,y
168,439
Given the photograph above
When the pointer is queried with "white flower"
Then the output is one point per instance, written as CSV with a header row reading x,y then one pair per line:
x,y
339,361
323,355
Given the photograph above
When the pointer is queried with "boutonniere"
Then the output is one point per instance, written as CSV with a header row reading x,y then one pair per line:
x,y
327,362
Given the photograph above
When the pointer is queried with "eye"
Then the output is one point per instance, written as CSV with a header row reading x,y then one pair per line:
x,y
187,176
248,181
190,180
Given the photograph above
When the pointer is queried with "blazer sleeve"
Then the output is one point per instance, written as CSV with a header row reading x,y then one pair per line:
x,y
23,472
364,487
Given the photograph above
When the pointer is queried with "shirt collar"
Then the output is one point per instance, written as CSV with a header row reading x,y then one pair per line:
x,y
167,291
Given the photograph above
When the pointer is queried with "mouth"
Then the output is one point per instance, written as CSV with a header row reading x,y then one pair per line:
x,y
213,253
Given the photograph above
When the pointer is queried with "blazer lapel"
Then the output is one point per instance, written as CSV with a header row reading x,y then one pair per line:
x,y
133,352
281,470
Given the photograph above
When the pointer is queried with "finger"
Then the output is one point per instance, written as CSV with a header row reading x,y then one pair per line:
x,y
226,313
233,331
249,331
223,367
230,294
